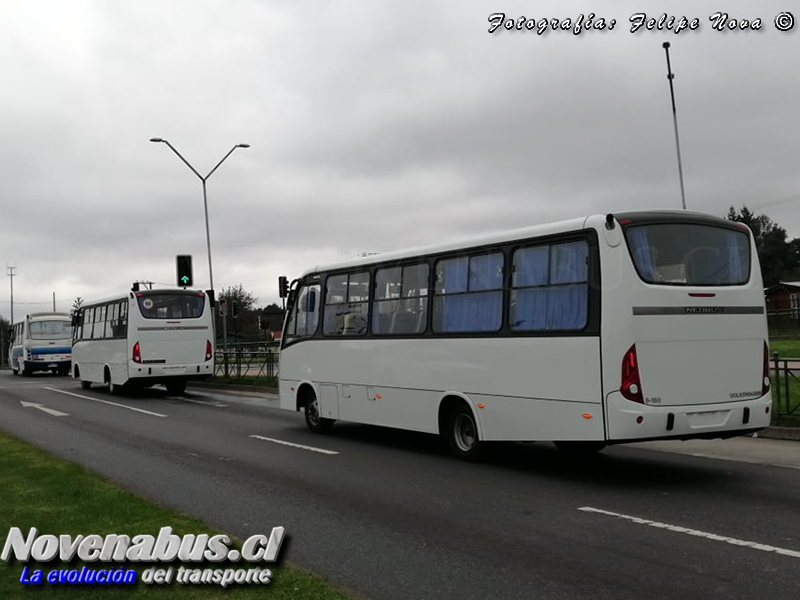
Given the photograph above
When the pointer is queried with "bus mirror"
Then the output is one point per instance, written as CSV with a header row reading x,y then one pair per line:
x,y
211,300
76,319
290,296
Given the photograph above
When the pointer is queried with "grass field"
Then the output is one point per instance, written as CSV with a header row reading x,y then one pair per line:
x,y
61,498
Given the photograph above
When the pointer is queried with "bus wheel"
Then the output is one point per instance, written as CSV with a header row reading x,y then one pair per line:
x,y
175,387
462,434
314,422
113,388
578,449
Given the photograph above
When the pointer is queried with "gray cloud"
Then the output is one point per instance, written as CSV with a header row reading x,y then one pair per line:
x,y
374,126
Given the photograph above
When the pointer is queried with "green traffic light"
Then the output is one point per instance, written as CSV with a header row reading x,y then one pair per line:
x,y
185,279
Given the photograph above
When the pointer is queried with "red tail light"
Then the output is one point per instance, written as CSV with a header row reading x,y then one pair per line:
x,y
765,371
137,354
209,350
631,386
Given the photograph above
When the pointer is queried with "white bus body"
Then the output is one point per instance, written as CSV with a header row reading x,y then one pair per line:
x,y
144,338
599,330
42,342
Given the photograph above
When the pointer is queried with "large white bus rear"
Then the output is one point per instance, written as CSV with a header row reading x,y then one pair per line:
x,y
684,330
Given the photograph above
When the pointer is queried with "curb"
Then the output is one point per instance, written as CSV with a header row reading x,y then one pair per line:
x,y
781,433
234,386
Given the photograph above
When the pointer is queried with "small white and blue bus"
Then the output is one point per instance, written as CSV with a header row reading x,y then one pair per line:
x,y
595,331
41,342
142,338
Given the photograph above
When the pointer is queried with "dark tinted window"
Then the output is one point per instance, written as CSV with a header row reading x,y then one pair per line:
x,y
171,306
688,254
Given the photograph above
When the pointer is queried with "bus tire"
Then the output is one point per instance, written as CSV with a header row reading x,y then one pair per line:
x,y
314,422
462,434
175,387
113,388
579,449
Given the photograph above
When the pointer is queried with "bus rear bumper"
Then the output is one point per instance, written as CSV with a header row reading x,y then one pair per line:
x,y
187,372
32,366
631,421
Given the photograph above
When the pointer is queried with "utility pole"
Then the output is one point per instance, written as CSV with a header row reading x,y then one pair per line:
x,y
11,274
671,76
54,302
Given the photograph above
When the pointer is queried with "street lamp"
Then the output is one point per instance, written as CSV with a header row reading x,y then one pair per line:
x,y
671,76
205,196
205,209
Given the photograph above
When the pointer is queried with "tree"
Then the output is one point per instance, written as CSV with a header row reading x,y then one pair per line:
x,y
237,293
76,305
778,256
246,323
5,340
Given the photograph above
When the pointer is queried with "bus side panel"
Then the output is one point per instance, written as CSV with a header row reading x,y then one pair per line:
x,y
527,383
533,419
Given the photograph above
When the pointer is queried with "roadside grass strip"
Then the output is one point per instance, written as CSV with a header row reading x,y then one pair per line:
x,y
61,498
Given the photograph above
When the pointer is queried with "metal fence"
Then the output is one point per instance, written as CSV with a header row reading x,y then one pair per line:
x,y
785,377
247,360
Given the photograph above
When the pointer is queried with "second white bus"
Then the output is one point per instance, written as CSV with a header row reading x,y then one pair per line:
x,y
143,338
589,332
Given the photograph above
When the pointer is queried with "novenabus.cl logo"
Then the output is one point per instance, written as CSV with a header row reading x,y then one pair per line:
x,y
165,547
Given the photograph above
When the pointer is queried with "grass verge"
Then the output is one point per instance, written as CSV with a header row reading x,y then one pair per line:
x,y
62,498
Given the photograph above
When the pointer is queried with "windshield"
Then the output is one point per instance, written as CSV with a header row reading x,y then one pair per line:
x,y
50,330
689,254
171,306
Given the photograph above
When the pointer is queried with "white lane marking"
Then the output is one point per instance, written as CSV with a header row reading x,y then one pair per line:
x,y
49,411
217,404
141,410
301,446
695,532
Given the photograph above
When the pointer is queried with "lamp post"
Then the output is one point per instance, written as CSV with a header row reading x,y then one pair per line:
x,y
208,234
671,76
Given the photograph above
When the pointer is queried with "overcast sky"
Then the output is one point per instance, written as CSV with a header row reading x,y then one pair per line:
x,y
373,126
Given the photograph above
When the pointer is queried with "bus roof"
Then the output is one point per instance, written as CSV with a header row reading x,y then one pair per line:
x,y
586,222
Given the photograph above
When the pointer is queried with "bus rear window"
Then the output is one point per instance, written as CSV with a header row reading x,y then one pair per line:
x,y
171,306
50,330
689,254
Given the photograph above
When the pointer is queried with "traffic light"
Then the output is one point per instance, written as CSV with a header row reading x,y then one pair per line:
x,y
283,286
184,263
234,309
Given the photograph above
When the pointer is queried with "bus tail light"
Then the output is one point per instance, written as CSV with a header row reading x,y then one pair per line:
x,y
209,350
765,371
137,354
631,386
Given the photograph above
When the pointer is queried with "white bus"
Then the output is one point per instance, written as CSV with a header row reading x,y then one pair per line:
x,y
42,342
589,332
143,338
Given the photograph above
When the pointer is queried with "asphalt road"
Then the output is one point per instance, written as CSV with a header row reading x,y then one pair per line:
x,y
390,515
